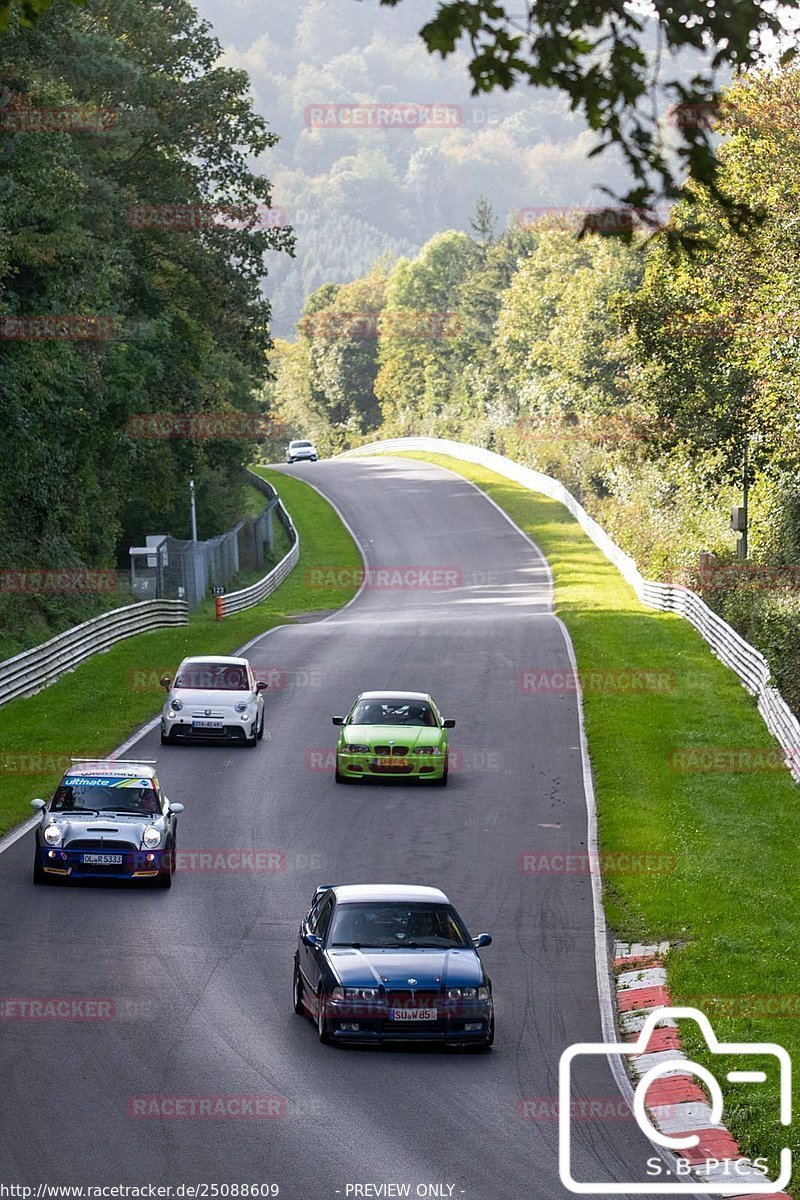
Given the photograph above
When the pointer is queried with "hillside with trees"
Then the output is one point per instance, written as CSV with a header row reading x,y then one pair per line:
x,y
646,377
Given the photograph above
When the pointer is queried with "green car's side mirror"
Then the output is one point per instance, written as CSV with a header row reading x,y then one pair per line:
x,y
448,724
338,720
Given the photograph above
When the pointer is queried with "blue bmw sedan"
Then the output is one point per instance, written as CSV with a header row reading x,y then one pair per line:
x,y
391,963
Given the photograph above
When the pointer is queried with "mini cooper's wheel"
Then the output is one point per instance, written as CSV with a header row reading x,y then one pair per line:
x,y
322,1024
38,870
297,992
164,878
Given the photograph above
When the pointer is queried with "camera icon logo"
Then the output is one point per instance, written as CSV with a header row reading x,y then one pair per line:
x,y
674,1142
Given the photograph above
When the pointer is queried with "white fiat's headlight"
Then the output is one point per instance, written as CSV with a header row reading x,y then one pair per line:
x,y
176,704
242,706
151,837
52,834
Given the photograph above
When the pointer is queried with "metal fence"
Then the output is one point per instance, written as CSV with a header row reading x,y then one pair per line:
x,y
247,597
187,569
34,669
729,646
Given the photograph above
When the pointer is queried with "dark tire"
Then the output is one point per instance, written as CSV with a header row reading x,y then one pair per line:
x,y
38,870
322,1024
167,739
260,733
252,742
339,777
164,878
443,781
297,992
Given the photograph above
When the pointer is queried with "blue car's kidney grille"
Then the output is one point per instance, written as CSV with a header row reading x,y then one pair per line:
x,y
415,999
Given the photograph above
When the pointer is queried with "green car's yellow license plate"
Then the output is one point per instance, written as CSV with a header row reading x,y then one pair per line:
x,y
391,762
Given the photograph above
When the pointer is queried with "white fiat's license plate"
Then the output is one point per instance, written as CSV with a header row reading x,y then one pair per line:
x,y
207,724
103,860
414,1014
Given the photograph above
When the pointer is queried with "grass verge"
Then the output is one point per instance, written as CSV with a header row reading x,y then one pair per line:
x,y
91,710
730,904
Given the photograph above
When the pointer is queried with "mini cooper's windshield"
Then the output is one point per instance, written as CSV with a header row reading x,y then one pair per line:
x,y
394,925
213,677
393,712
98,796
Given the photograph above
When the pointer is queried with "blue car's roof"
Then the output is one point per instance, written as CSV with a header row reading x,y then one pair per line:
x,y
388,891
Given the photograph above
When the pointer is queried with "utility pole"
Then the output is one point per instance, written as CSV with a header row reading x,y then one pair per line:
x,y
194,511
742,547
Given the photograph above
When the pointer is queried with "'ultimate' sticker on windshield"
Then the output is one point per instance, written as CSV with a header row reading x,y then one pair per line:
x,y
104,781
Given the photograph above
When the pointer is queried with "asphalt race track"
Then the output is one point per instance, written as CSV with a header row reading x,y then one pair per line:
x,y
200,976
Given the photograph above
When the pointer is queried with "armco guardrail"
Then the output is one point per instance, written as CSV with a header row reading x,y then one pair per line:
x,y
34,669
748,663
235,601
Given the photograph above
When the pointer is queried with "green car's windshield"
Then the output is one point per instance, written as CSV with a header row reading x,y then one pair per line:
x,y
390,925
393,712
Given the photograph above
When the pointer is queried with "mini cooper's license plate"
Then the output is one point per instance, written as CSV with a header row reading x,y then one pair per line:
x,y
414,1014
391,762
207,724
103,860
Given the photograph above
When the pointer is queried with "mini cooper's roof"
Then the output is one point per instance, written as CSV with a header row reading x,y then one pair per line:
x,y
215,658
388,891
121,768
394,696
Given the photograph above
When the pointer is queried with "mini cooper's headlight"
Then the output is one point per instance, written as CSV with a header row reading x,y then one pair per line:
x,y
355,748
428,750
52,834
151,837
241,706
176,704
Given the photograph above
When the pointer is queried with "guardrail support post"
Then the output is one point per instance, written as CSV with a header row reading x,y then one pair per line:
x,y
219,602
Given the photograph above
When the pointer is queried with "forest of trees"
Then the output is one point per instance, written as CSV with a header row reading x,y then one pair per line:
x,y
108,313
644,377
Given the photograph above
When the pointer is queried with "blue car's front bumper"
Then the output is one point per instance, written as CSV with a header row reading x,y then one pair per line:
x,y
457,1023
70,864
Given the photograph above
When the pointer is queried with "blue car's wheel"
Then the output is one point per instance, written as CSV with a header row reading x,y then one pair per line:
x,y
297,992
322,1024
38,870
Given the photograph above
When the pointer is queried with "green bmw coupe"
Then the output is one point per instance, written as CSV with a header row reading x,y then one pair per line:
x,y
388,734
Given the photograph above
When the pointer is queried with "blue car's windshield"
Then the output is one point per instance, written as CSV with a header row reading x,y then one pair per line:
x,y
393,712
391,925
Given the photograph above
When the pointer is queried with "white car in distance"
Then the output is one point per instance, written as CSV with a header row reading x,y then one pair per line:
x,y
213,698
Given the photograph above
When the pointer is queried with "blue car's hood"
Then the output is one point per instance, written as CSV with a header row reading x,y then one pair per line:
x,y
394,968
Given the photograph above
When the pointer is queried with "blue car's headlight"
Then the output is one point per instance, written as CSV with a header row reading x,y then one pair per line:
x,y
355,993
428,750
354,748
468,993
52,834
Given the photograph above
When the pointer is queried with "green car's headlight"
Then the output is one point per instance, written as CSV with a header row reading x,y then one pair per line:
x,y
354,748
428,750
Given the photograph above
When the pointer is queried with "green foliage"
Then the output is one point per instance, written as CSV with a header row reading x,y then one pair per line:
x,y
187,323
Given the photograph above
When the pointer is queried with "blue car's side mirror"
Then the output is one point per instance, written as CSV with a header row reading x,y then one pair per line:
x,y
483,939
311,939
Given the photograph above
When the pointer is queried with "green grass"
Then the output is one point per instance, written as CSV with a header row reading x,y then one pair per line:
x,y
93,709
731,906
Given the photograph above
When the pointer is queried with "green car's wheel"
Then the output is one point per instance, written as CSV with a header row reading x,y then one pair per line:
x,y
339,777
443,781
